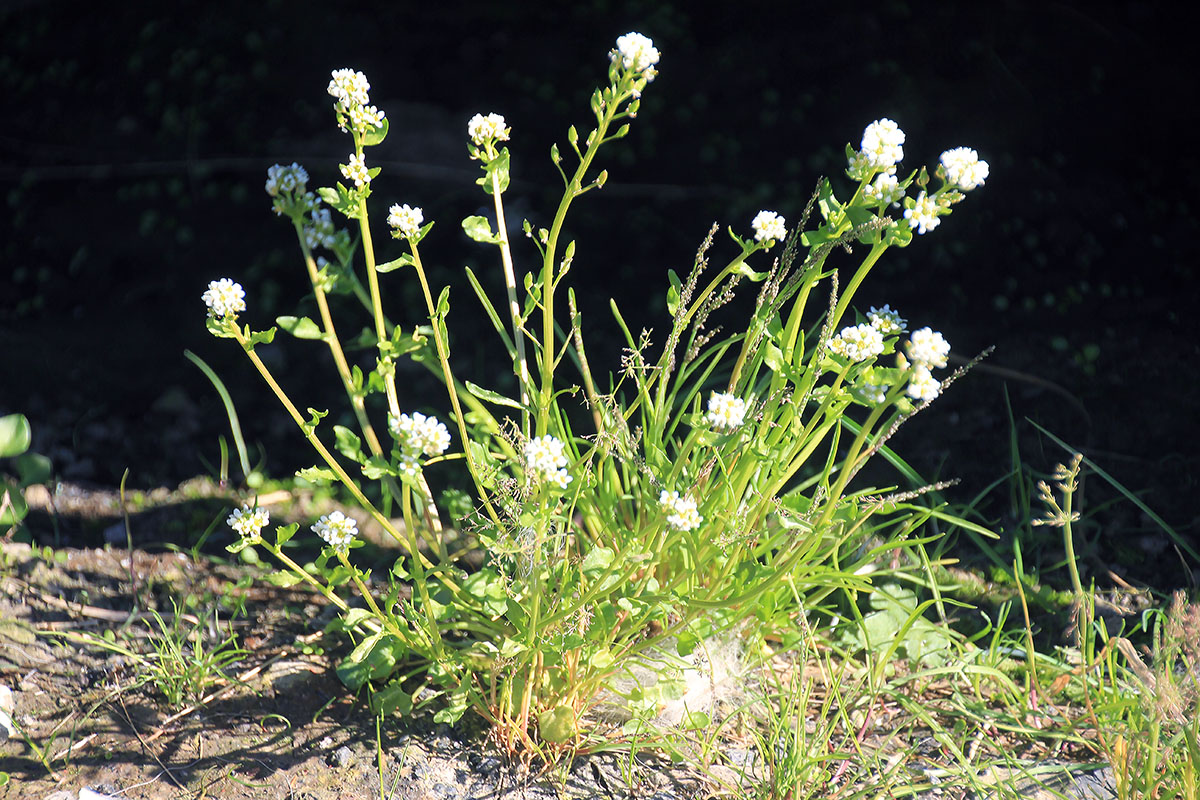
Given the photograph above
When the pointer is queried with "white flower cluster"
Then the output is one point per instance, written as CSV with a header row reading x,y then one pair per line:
x,y
924,214
886,321
927,349
927,346
249,521
682,513
321,232
636,53
546,461
363,118
963,168
881,144
883,190
482,129
405,219
417,435
768,227
286,180
337,529
356,170
224,298
349,87
726,411
857,342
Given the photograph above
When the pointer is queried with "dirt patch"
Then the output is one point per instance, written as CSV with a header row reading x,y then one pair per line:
x,y
279,724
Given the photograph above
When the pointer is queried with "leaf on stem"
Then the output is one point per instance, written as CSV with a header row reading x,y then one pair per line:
x,y
314,420
395,263
300,327
480,229
498,166
316,475
375,136
489,396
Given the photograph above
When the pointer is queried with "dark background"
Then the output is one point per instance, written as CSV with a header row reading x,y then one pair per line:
x,y
136,138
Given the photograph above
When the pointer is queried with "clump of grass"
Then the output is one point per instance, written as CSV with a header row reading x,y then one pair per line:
x,y
178,657
1148,710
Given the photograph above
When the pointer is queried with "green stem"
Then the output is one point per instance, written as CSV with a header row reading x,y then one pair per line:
x,y
443,352
521,367
311,436
573,190
847,294
335,346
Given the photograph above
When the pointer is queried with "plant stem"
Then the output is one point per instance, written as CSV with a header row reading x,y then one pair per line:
x,y
521,367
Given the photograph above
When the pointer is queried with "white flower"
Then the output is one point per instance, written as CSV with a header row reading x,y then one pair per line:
x,y
286,179
322,232
546,461
248,521
861,167
963,168
726,411
224,298
928,348
637,54
922,385
350,88
923,215
885,189
768,226
886,321
682,514
857,342
421,434
405,219
337,529
872,394
881,144
356,171
482,129
363,118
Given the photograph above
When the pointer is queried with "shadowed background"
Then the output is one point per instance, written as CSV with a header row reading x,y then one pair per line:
x,y
136,141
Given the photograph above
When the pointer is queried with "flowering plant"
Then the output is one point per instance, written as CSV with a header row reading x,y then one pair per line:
x,y
703,491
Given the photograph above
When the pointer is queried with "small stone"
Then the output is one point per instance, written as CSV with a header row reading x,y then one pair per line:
x,y
342,757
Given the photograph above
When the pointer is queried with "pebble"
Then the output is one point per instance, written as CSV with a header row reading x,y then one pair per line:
x,y
342,757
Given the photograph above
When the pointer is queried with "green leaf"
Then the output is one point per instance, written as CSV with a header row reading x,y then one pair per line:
x,y
674,292
341,199
254,338
373,659
392,699
396,263
34,468
597,560
283,579
498,166
221,327
374,135
453,712
557,724
300,327
285,532
16,508
376,467
347,443
480,229
15,435
314,420
317,475
491,397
